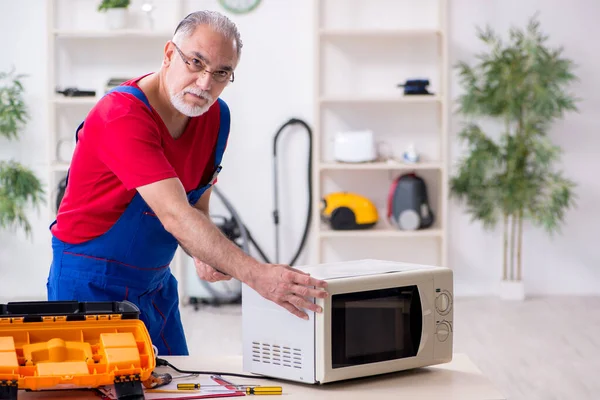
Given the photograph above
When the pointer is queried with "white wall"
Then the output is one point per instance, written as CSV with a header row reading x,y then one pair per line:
x,y
278,35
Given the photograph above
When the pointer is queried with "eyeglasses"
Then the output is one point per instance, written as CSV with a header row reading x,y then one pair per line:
x,y
196,65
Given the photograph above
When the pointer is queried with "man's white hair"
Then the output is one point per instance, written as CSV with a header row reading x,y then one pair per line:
x,y
215,20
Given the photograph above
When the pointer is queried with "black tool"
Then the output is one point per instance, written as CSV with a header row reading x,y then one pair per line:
x,y
74,92
415,86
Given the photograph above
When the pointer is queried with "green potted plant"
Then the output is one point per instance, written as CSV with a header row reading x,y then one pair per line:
x,y
19,187
116,12
509,174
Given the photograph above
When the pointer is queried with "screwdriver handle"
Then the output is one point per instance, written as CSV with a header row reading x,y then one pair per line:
x,y
188,386
260,390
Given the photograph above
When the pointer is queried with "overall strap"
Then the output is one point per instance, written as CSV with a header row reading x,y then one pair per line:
x,y
134,91
224,125
122,89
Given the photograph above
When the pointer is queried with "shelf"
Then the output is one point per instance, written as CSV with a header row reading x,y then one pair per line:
x,y
59,166
380,233
380,166
133,33
378,33
86,101
401,99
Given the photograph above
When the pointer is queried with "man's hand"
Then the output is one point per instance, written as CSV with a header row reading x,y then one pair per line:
x,y
288,287
208,273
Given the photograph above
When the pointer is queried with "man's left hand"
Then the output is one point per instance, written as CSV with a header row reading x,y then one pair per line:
x,y
208,273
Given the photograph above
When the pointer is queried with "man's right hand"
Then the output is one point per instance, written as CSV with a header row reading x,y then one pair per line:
x,y
288,287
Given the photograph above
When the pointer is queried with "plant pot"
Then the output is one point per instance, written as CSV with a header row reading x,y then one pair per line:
x,y
512,290
116,18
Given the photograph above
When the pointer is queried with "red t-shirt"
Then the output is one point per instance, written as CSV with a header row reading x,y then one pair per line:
x,y
124,145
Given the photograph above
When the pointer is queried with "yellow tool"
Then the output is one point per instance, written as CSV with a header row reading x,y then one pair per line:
x,y
190,386
197,386
264,390
249,389
348,211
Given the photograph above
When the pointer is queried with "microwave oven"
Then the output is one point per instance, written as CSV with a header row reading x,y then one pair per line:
x,y
380,317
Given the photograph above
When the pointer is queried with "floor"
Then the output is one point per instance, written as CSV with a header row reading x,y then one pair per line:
x,y
543,348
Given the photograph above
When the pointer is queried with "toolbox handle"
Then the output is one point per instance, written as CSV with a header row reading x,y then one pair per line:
x,y
33,311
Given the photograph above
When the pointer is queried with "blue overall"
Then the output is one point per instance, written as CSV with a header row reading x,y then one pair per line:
x,y
131,260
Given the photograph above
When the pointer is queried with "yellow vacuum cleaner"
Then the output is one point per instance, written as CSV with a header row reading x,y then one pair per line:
x,y
348,211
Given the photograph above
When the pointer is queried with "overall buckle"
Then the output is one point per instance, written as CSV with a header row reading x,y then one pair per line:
x,y
215,174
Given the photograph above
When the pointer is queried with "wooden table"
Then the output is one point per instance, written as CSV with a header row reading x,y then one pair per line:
x,y
459,380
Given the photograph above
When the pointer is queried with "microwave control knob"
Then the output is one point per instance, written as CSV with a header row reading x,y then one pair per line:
x,y
443,331
443,303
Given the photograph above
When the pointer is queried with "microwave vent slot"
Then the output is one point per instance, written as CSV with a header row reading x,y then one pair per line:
x,y
276,354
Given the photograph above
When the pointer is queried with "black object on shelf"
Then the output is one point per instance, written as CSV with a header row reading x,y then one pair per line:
x,y
74,92
415,86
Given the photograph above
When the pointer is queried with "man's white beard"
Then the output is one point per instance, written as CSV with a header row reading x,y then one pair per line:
x,y
191,110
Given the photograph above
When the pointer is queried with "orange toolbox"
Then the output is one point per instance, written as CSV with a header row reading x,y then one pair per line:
x,y
57,345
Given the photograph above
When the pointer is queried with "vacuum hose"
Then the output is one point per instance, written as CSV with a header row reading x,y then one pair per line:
x,y
245,231
292,121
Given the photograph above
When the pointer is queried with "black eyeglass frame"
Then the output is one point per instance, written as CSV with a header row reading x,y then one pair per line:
x,y
212,73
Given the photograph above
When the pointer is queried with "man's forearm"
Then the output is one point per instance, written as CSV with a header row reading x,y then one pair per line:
x,y
201,238
189,253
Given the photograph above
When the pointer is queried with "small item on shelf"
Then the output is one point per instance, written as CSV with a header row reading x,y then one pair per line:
x,y
348,211
355,147
74,92
410,156
415,87
408,204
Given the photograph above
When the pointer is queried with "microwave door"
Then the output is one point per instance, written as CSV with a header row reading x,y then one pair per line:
x,y
375,326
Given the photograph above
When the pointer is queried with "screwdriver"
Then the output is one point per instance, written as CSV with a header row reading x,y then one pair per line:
x,y
264,390
256,390
197,386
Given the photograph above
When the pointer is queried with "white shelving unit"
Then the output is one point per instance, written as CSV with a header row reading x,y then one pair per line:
x,y
363,49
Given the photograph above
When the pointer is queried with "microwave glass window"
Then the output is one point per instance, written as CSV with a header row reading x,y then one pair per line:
x,y
375,326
